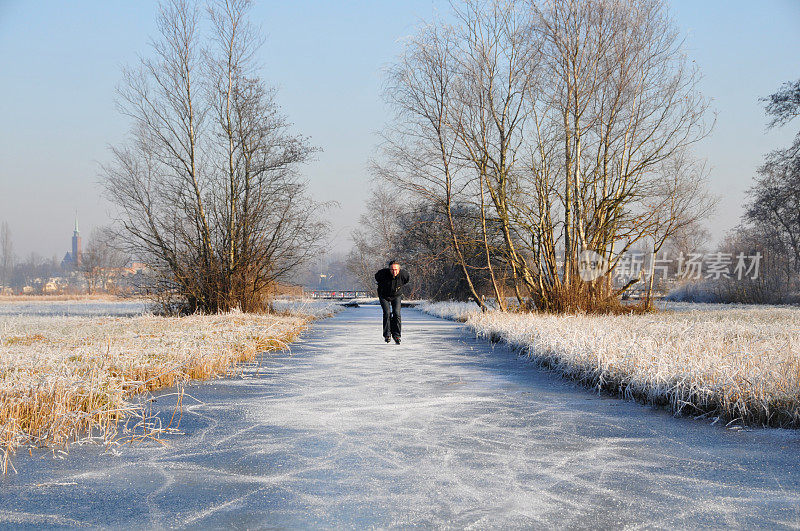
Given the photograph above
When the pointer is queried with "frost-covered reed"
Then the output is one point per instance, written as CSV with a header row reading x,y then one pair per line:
x,y
312,308
64,377
740,364
456,311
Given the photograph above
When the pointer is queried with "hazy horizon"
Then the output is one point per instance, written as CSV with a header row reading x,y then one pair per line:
x,y
61,62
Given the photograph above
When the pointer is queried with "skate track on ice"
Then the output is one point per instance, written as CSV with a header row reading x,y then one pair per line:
x,y
442,431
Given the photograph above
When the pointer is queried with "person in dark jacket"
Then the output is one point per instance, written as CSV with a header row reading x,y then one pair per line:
x,y
390,292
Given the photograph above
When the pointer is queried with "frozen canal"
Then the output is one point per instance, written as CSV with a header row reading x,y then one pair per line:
x,y
440,431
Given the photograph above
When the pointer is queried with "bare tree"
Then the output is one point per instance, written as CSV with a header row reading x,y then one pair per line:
x,y
675,206
101,261
497,61
208,191
421,148
774,206
784,106
6,255
376,240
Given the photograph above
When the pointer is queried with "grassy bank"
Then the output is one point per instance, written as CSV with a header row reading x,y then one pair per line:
x,y
739,364
62,377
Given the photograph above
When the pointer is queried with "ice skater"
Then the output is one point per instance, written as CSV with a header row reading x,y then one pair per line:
x,y
390,291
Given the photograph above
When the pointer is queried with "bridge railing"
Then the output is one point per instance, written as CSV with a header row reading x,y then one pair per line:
x,y
339,294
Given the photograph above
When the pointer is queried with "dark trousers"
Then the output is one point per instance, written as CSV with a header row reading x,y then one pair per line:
x,y
391,316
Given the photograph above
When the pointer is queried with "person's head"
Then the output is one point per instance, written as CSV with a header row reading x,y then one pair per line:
x,y
394,268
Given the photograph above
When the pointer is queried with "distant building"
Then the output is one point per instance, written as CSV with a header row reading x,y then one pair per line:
x,y
55,285
73,260
134,268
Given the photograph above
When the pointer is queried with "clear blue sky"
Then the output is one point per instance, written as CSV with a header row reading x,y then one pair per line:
x,y
60,62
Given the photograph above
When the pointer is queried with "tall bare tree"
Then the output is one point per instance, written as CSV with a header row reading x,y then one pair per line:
x,y
6,255
421,148
207,190
678,201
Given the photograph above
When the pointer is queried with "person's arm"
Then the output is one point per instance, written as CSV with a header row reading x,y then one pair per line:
x,y
405,277
377,276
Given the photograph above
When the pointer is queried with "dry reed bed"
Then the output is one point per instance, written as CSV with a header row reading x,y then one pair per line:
x,y
739,364
64,377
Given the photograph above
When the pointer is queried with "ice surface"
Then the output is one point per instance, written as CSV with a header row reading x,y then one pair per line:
x,y
441,431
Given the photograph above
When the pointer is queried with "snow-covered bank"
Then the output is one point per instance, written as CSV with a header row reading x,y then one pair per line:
x,y
310,308
455,311
738,364
63,377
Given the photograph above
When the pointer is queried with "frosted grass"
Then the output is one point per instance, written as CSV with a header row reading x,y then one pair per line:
x,y
62,377
310,308
677,306
455,311
739,364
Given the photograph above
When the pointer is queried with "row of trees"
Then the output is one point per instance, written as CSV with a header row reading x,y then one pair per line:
x,y
207,189
536,130
771,222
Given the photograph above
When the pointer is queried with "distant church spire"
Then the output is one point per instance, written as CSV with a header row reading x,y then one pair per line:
x,y
76,244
